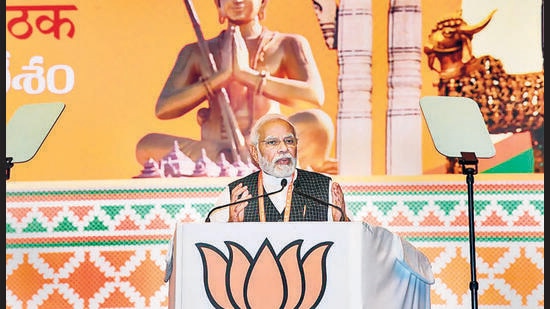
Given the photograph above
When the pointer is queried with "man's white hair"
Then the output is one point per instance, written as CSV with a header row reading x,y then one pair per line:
x,y
254,137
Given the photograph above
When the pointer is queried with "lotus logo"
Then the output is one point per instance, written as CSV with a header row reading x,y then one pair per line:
x,y
268,280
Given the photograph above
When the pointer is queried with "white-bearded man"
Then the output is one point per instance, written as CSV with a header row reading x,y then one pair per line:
x,y
273,147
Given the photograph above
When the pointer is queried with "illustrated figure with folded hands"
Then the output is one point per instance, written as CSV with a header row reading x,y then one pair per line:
x,y
256,70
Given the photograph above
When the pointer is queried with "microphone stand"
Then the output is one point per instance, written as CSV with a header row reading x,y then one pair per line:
x,y
469,158
283,185
342,217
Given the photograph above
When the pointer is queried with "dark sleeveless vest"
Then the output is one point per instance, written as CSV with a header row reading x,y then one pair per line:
x,y
310,183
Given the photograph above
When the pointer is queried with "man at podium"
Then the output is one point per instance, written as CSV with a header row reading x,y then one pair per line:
x,y
279,191
296,264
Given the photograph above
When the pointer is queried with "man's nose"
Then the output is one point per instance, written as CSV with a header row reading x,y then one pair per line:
x,y
283,147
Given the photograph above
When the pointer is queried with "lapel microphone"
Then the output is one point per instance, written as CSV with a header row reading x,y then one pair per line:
x,y
284,182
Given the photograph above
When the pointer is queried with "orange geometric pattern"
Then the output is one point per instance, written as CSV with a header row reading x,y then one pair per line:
x,y
73,247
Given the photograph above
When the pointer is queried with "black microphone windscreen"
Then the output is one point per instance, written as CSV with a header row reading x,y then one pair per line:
x,y
284,182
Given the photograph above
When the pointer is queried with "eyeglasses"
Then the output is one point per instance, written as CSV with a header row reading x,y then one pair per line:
x,y
273,143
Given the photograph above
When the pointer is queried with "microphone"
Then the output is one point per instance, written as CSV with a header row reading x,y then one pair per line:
x,y
283,185
297,185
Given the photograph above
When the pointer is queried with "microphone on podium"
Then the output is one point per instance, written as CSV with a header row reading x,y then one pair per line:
x,y
297,185
284,182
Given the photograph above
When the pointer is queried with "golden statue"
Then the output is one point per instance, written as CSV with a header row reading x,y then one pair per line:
x,y
244,72
509,103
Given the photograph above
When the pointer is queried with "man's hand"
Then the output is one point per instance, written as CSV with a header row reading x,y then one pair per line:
x,y
236,212
338,200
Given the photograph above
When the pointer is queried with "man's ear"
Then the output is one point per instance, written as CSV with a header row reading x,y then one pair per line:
x,y
253,153
221,16
261,12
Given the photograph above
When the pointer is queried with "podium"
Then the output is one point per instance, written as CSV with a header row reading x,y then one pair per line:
x,y
296,265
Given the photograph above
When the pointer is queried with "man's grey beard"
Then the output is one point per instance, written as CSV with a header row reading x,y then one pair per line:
x,y
277,170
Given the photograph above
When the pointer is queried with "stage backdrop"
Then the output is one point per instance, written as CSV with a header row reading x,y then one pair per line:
x,y
107,61
103,244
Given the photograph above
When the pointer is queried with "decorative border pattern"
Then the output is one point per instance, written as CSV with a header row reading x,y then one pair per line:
x,y
103,244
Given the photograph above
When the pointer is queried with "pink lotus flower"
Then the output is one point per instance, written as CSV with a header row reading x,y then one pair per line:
x,y
267,280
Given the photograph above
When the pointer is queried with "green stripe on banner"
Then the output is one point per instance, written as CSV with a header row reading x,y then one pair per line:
x,y
98,243
134,242
203,190
522,163
479,239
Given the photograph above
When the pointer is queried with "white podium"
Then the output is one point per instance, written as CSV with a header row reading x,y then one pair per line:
x,y
296,265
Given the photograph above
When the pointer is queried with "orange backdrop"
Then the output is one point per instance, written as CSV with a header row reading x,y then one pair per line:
x,y
121,54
